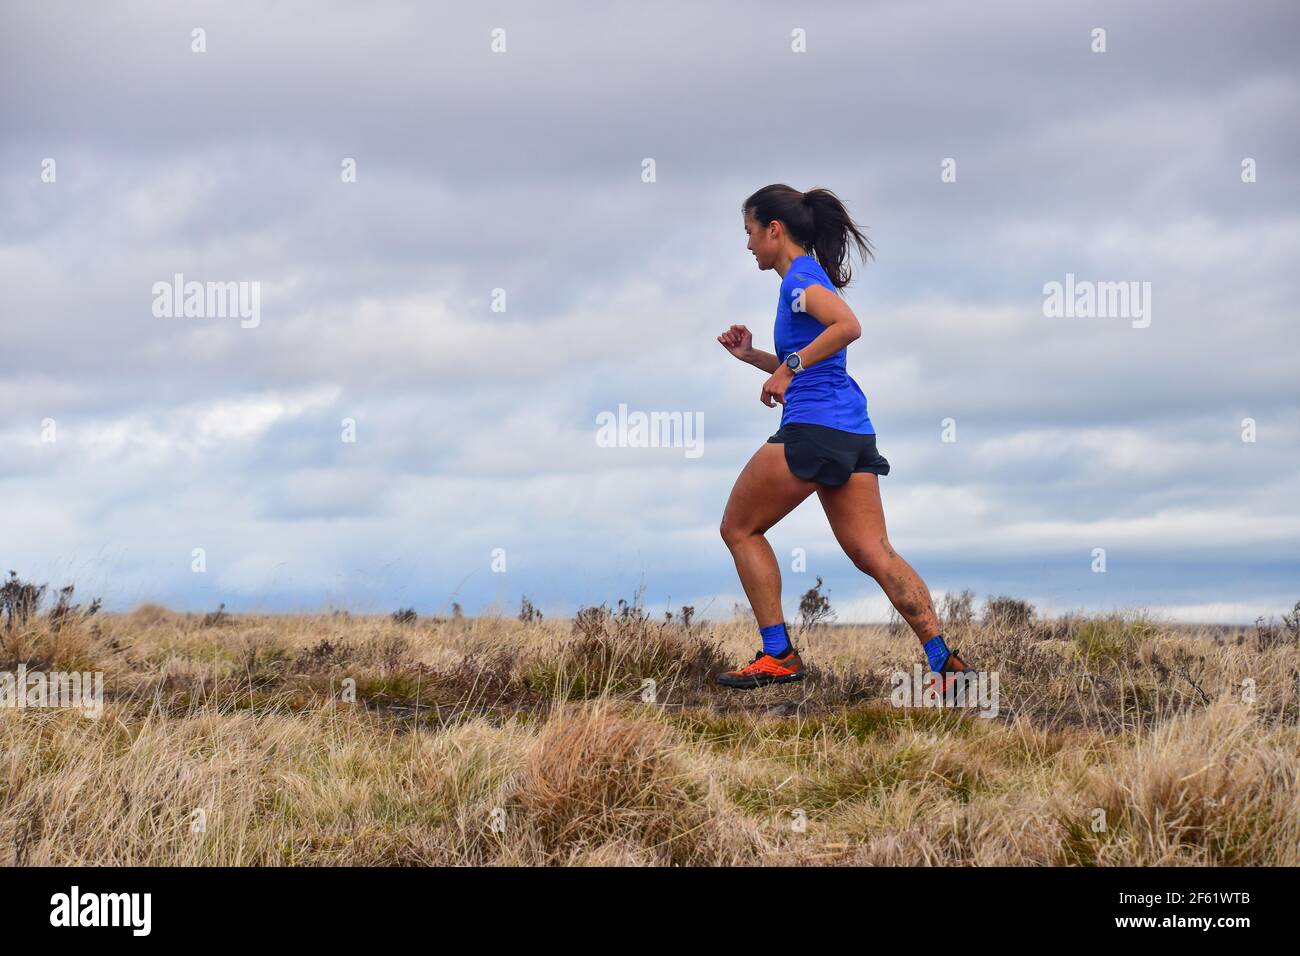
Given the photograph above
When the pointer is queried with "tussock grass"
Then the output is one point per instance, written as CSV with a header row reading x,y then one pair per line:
x,y
338,739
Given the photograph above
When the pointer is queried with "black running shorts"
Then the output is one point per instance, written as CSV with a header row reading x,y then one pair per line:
x,y
827,455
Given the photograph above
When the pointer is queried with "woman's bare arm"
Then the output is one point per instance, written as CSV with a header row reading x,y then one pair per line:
x,y
739,341
763,360
842,326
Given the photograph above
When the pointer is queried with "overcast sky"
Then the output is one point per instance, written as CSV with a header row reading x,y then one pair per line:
x,y
131,439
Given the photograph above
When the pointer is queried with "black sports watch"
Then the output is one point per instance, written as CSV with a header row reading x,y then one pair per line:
x,y
794,363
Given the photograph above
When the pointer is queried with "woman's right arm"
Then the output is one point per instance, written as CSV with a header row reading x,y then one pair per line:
x,y
740,342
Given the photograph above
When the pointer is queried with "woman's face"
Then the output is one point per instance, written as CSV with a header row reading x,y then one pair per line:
x,y
761,244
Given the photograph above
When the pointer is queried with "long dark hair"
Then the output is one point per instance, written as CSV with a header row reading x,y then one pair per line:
x,y
816,220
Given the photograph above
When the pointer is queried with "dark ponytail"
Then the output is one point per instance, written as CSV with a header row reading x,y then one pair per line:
x,y
817,220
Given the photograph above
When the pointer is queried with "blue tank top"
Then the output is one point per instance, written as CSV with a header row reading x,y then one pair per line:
x,y
822,394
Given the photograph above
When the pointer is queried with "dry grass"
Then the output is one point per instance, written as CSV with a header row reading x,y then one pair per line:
x,y
1120,741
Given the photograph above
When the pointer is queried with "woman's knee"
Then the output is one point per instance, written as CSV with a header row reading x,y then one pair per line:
x,y
726,529
875,556
872,560
733,532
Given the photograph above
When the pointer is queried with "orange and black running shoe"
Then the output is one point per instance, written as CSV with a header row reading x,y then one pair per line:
x,y
764,669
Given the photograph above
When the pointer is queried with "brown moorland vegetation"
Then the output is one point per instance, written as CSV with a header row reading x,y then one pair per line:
x,y
249,739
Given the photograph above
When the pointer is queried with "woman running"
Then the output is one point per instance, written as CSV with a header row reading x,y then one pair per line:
x,y
825,443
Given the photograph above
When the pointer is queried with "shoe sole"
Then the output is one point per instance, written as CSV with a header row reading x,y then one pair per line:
x,y
750,683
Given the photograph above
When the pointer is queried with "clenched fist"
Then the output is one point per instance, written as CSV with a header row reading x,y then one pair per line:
x,y
738,341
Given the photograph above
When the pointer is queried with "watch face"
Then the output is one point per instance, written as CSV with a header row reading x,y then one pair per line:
x,y
792,360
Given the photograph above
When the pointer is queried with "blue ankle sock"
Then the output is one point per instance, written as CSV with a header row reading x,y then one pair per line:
x,y
775,639
936,651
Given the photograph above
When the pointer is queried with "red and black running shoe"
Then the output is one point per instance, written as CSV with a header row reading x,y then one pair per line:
x,y
952,666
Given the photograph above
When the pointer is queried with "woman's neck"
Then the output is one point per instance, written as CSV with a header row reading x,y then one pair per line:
x,y
787,257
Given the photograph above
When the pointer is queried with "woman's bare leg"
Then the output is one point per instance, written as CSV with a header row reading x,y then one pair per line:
x,y
765,492
858,520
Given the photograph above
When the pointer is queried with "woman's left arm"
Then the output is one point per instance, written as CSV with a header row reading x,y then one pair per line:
x,y
842,327
830,310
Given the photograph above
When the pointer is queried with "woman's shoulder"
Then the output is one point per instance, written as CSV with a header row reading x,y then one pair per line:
x,y
800,276
803,271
